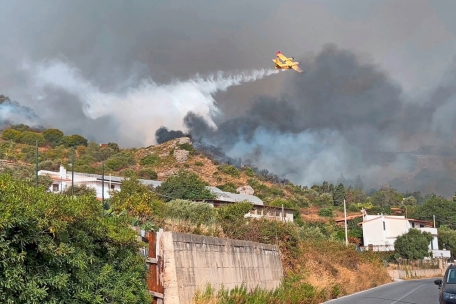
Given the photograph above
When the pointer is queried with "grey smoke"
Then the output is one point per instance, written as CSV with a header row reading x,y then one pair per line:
x,y
12,112
344,116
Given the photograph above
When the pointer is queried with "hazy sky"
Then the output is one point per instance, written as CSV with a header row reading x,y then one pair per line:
x,y
118,70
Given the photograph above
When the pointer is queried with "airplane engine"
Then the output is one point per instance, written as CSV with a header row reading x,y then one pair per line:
x,y
291,58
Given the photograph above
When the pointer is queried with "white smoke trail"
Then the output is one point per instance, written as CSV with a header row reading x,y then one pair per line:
x,y
142,109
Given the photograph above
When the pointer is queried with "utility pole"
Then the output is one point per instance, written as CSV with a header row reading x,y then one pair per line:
x,y
434,220
72,175
36,163
345,219
102,185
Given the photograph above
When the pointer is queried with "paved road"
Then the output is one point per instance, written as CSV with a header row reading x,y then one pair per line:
x,y
404,292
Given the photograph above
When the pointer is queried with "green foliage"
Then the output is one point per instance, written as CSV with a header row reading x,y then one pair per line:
x,y
443,209
150,160
188,147
137,200
120,161
291,290
28,176
387,197
413,245
11,134
74,141
53,136
447,239
229,169
49,165
199,164
193,212
97,153
249,171
56,249
339,194
80,190
20,127
326,212
30,138
148,173
228,187
323,200
185,185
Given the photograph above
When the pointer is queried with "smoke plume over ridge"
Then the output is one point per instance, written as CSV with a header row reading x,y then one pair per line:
x,y
342,116
139,110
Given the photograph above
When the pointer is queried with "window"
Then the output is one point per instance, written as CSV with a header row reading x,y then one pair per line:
x,y
55,187
384,227
113,187
451,278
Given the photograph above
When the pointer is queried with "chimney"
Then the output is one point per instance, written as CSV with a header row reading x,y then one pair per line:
x,y
62,172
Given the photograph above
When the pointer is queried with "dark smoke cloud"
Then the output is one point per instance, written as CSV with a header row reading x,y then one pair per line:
x,y
344,116
163,135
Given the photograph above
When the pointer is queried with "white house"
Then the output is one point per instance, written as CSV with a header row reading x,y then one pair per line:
x,y
381,231
62,180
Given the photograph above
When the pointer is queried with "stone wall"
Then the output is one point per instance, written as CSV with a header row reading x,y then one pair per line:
x,y
416,273
192,261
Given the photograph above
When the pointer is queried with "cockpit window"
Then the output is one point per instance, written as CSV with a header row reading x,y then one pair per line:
x,y
451,279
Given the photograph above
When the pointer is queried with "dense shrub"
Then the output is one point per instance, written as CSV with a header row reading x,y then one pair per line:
x,y
147,173
326,212
150,160
228,187
230,170
193,212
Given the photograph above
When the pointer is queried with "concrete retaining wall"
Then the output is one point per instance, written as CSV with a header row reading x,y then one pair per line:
x,y
191,261
423,273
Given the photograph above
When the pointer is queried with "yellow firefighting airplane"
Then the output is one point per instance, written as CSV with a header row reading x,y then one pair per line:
x,y
284,63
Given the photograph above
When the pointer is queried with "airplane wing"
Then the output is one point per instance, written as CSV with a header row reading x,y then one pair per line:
x,y
297,68
283,58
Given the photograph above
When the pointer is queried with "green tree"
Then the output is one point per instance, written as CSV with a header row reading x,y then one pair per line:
x,y
11,134
74,141
80,190
148,173
387,197
30,138
137,200
443,209
339,194
53,136
413,245
20,127
185,185
447,239
55,249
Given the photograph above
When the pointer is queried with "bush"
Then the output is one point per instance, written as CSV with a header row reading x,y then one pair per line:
x,y
228,187
199,164
185,185
249,171
49,165
30,138
326,212
230,170
148,173
53,136
188,147
11,134
150,160
194,212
